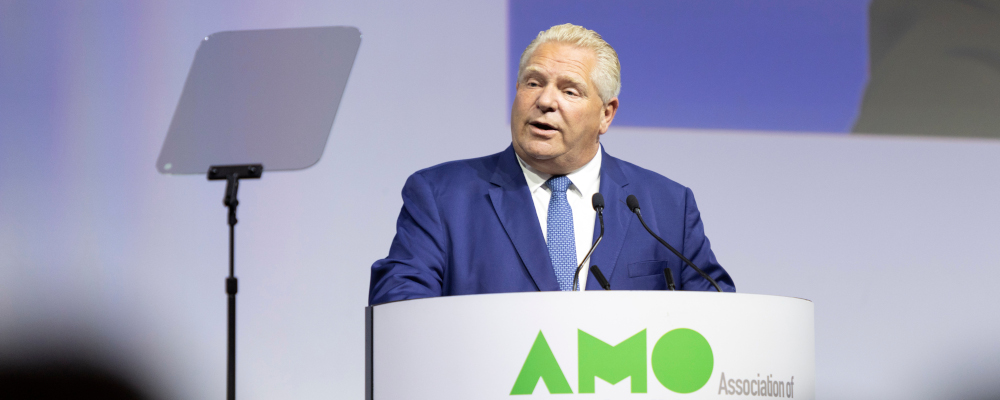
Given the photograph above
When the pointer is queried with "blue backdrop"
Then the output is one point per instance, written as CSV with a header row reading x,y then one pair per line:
x,y
755,65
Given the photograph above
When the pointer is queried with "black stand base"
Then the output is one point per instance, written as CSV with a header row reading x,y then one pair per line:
x,y
232,174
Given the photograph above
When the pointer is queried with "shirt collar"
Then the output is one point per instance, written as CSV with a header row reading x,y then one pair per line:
x,y
585,178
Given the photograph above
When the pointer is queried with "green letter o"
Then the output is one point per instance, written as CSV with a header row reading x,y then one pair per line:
x,y
682,360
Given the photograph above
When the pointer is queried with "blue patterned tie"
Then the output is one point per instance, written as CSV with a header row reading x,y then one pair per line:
x,y
561,237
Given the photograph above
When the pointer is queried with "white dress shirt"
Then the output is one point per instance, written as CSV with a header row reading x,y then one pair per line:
x,y
586,181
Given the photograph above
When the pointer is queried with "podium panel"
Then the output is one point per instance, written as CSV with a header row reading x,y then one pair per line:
x,y
592,344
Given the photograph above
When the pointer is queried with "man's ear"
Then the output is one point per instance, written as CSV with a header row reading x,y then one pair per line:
x,y
608,115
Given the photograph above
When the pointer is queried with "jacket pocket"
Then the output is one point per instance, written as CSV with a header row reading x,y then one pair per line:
x,y
645,268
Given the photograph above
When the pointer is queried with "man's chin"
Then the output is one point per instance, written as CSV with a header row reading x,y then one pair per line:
x,y
540,154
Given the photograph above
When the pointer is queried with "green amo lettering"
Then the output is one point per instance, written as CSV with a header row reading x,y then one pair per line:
x,y
681,360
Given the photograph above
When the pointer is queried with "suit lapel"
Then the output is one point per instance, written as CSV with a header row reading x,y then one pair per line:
x,y
515,209
617,218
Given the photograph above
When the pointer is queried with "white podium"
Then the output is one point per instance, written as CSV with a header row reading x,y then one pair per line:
x,y
592,344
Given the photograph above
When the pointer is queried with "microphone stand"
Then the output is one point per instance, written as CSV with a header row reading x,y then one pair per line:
x,y
633,204
598,202
232,174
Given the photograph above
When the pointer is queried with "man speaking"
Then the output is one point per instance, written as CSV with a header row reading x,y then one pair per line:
x,y
523,219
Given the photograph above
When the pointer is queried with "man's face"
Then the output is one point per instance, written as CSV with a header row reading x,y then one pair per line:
x,y
558,114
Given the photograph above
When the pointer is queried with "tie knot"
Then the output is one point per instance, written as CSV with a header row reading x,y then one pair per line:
x,y
559,183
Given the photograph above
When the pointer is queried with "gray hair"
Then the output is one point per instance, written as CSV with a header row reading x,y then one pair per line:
x,y
607,75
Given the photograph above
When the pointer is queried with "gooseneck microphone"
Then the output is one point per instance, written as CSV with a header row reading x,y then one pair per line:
x,y
670,279
598,203
600,277
633,204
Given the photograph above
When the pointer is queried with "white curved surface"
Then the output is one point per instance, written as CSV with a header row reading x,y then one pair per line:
x,y
465,347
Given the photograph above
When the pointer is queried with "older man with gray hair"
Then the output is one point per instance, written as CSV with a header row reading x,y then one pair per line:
x,y
522,219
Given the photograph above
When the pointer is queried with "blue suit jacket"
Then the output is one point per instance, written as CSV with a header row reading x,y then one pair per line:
x,y
470,227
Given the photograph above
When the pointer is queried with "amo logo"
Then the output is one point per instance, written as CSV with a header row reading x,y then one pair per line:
x,y
681,360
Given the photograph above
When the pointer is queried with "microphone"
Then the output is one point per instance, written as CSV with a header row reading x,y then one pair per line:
x,y
633,204
600,277
598,203
670,279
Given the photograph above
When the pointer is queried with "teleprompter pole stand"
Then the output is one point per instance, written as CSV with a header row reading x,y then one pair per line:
x,y
232,175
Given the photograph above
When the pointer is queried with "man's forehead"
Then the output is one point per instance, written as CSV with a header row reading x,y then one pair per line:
x,y
566,60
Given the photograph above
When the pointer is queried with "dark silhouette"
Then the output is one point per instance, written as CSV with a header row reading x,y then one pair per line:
x,y
64,380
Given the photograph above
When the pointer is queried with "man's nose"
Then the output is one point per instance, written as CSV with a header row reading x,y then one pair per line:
x,y
547,99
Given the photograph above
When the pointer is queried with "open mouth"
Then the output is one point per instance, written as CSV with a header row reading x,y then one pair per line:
x,y
543,126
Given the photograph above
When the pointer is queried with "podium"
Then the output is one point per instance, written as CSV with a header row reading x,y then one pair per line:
x,y
593,345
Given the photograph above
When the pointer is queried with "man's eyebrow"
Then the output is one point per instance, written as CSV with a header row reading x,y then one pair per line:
x,y
532,70
576,82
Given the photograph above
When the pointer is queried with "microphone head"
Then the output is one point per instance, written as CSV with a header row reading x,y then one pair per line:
x,y
632,202
600,277
598,202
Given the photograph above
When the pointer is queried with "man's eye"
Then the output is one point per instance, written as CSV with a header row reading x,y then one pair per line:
x,y
572,93
532,84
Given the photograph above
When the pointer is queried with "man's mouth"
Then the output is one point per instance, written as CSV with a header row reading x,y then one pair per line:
x,y
543,126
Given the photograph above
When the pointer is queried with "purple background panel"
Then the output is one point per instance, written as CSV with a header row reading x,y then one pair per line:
x,y
754,65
